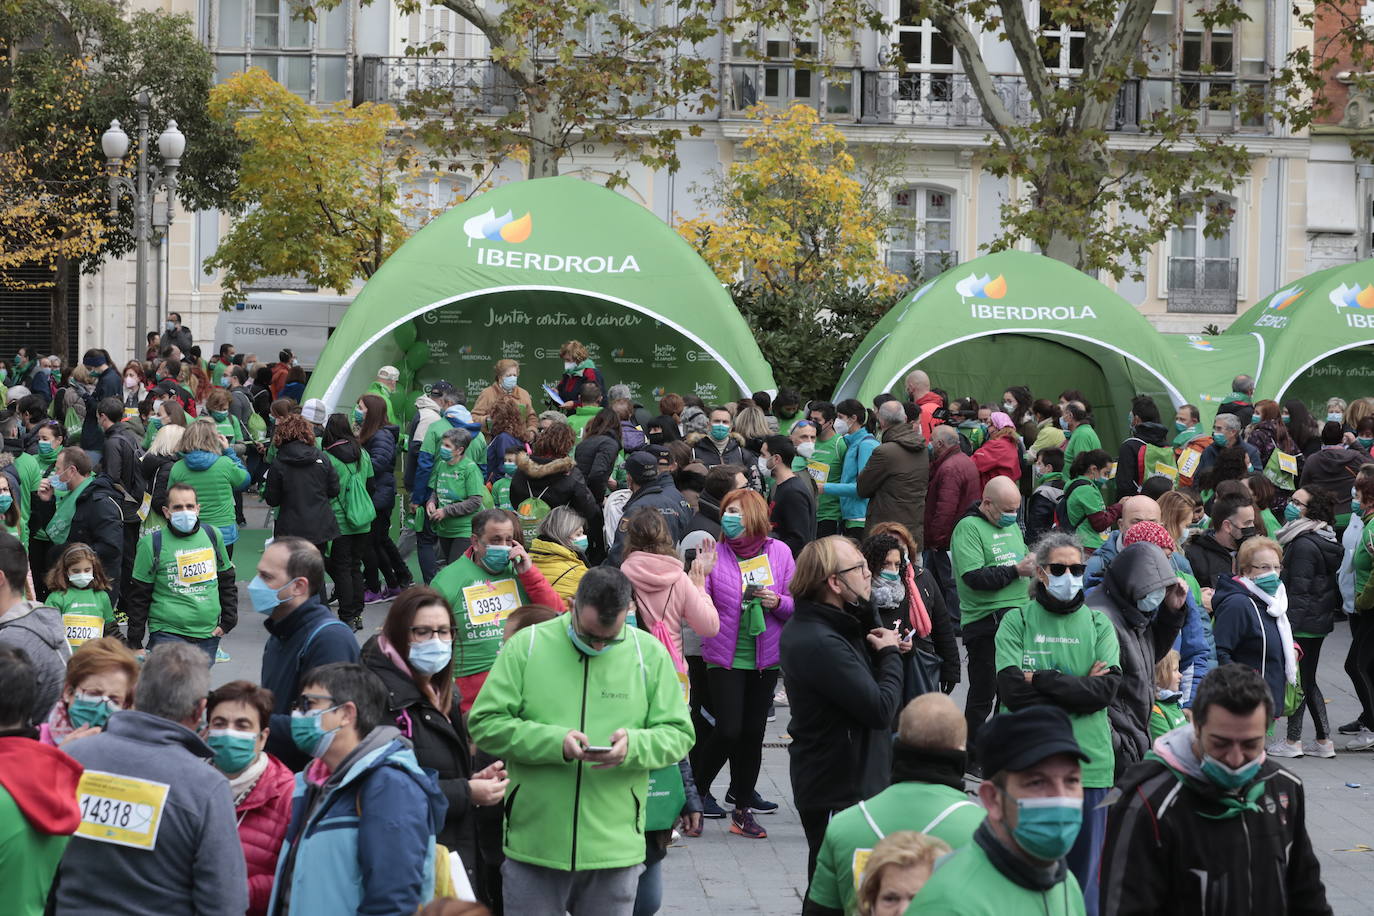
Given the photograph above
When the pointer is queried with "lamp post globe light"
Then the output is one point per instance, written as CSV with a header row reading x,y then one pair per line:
x,y
142,188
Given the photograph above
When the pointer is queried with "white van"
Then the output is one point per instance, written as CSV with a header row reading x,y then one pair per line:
x,y
266,323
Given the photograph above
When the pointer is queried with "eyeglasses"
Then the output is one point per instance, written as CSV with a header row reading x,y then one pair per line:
x,y
868,573
1058,569
306,701
431,632
595,639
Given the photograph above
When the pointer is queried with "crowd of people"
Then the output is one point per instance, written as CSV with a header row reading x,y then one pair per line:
x,y
613,601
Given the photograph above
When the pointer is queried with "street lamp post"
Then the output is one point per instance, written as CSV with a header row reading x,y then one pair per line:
x,y
142,189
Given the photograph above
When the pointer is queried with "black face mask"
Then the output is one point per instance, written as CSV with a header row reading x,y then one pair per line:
x,y
1244,534
656,438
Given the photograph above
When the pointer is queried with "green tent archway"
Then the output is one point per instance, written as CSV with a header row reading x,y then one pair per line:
x,y
518,270
1314,337
1015,318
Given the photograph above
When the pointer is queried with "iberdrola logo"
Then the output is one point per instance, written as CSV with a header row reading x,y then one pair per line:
x,y
1201,343
495,228
1284,298
984,287
1353,297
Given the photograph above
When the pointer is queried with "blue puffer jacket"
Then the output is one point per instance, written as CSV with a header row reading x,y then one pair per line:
x,y
363,842
381,448
860,444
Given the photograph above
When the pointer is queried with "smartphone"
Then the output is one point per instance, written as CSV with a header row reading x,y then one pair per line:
x,y
594,749
750,591
688,558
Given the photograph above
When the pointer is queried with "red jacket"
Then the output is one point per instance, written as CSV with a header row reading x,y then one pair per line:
x,y
929,403
998,458
279,371
263,817
953,488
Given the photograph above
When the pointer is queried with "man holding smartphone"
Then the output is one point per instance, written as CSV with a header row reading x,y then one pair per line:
x,y
582,709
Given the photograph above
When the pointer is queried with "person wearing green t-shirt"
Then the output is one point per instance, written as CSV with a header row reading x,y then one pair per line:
x,y
183,585
1057,651
500,488
212,468
826,464
1034,798
78,587
989,558
787,410
1089,515
926,795
1082,437
457,494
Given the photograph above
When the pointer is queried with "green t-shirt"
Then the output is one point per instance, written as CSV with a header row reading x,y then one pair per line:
x,y
1083,439
481,603
217,373
230,428
580,418
1165,716
30,860
1363,559
500,494
1084,501
453,483
746,650
966,883
214,488
827,464
977,543
75,603
31,470
185,598
936,810
1034,639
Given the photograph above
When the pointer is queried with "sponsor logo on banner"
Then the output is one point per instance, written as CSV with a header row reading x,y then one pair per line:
x,y
658,392
706,391
987,287
512,349
495,228
1270,317
1200,343
618,355
513,230
698,356
984,287
1356,303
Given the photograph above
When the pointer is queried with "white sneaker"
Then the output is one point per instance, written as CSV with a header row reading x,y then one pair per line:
x,y
1282,748
780,697
1324,749
1361,742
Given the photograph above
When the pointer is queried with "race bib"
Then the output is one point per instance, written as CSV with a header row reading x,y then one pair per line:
x,y
145,506
120,810
1288,463
490,601
131,413
756,571
82,627
1166,470
860,863
1188,462
195,566
819,471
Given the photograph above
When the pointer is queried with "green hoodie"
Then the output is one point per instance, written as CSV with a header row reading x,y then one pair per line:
x,y
1082,439
967,883
568,815
580,418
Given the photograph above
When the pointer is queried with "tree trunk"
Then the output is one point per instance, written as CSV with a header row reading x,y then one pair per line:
x,y
544,143
1065,248
57,307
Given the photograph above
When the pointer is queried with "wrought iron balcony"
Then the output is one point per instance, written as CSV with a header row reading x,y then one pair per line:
x,y
471,82
1205,285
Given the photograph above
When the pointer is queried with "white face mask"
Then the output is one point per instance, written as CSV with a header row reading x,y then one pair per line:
x,y
806,449
764,469
842,426
569,366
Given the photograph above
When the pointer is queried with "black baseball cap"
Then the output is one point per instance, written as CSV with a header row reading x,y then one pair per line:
x,y
1015,741
641,467
441,388
660,452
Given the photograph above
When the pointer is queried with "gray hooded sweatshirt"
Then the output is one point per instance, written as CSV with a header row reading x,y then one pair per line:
x,y
38,630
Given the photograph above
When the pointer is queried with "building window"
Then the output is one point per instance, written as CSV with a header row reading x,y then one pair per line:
x,y
310,59
922,244
1202,272
1062,43
928,55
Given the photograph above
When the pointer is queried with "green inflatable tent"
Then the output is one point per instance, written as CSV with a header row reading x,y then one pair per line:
x,y
514,273
1315,337
1015,318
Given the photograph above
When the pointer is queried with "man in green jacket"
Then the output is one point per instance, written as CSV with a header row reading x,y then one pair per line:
x,y
384,387
582,709
926,795
1034,798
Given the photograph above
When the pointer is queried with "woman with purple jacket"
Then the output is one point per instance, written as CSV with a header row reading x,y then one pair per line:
x,y
749,589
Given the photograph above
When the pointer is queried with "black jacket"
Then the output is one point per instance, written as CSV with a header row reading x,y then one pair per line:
x,y
704,450
556,481
99,523
1169,850
309,636
157,470
595,458
1332,469
381,448
792,512
843,698
120,465
109,384
1310,564
941,640
441,744
301,482
180,337
1128,462
663,496
1208,559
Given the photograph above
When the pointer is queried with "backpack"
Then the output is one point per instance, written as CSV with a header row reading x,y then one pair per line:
x,y
354,499
210,531
1061,507
1154,461
532,511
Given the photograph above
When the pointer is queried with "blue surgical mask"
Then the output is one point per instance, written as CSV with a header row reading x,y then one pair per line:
x,y
1228,779
220,415
1181,427
184,520
58,484
263,597
1335,418
1291,512
889,575
430,656
1219,440
719,431
496,558
1006,520
83,711
581,644
46,448
309,735
1046,828
1268,583
6,500
1151,602
1064,423
358,416
445,453
732,526
508,467
580,543
508,382
234,750
1065,587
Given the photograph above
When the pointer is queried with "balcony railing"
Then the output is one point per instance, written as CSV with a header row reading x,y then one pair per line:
x,y
1203,285
834,92
926,264
471,82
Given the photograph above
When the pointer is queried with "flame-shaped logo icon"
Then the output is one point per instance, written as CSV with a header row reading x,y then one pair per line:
x,y
660,391
1353,297
984,287
495,228
1284,298
1199,343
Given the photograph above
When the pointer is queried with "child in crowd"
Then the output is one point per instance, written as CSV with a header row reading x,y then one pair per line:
x,y
79,588
1166,715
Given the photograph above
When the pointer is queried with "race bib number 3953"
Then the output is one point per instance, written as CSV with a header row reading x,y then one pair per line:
x,y
487,602
120,810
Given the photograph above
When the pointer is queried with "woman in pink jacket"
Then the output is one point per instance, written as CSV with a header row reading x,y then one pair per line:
x,y
748,586
663,591
1000,456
